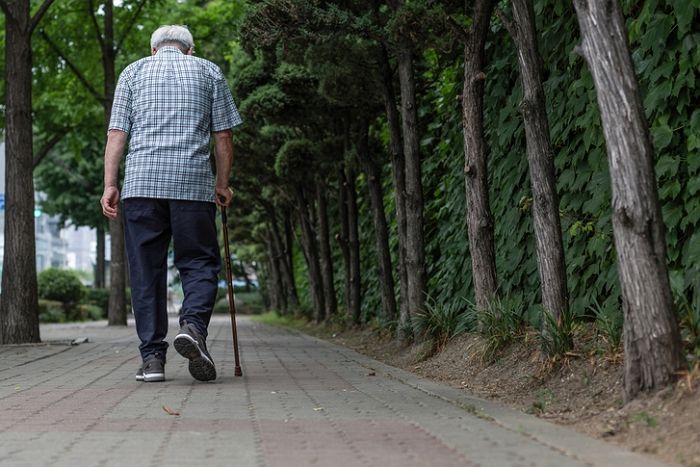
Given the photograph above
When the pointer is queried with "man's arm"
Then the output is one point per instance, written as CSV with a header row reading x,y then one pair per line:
x,y
116,143
223,149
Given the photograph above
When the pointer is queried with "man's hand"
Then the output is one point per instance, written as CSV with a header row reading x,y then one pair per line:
x,y
110,202
224,196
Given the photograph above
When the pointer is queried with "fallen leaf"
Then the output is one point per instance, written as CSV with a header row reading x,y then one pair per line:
x,y
170,411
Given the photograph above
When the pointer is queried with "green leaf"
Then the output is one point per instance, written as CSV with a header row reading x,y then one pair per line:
x,y
684,11
667,167
662,136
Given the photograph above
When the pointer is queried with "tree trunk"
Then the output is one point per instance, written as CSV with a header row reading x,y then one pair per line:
x,y
399,176
19,311
116,314
354,248
415,253
310,247
275,285
100,259
550,249
651,336
285,269
326,257
479,217
344,234
381,231
289,253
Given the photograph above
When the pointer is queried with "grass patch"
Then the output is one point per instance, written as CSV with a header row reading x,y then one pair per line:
x,y
284,321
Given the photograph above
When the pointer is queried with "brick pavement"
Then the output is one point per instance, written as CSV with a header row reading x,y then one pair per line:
x,y
300,402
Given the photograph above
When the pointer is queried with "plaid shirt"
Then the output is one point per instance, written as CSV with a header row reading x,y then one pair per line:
x,y
169,103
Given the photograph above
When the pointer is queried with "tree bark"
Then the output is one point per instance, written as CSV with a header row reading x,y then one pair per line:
x,y
381,230
399,178
354,247
479,217
344,234
100,259
19,311
547,224
285,269
651,336
326,257
311,249
275,285
415,253
116,313
289,252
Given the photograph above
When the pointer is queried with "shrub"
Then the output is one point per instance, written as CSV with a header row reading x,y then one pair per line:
x,y
557,337
60,285
51,311
500,322
608,324
98,298
441,323
91,312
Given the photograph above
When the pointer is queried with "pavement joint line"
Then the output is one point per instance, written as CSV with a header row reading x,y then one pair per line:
x,y
42,357
255,422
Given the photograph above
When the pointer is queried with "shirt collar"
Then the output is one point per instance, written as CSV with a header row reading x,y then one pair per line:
x,y
169,48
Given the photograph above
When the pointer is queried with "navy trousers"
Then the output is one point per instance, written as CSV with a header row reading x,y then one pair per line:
x,y
149,224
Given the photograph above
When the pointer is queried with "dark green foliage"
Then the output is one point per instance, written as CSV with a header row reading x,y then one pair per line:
x,y
442,324
668,74
97,297
295,160
608,324
500,323
557,337
60,285
51,311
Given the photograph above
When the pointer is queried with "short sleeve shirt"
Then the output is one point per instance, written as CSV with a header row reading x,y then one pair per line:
x,y
169,104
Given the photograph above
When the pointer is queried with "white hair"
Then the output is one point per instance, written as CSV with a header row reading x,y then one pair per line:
x,y
174,34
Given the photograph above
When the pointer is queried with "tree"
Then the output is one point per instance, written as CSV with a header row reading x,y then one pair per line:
x,y
19,313
547,224
110,45
414,249
651,336
479,217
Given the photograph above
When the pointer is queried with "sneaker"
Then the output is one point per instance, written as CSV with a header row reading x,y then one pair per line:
x,y
153,369
190,344
139,373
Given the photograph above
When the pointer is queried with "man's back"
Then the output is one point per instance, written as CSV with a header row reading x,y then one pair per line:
x,y
170,103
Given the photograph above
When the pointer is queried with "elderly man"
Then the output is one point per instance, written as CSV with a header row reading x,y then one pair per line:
x,y
168,106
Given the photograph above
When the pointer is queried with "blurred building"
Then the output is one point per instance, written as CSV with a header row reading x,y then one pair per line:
x,y
51,248
81,245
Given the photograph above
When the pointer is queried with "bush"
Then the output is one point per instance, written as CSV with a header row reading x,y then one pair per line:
x,y
92,312
51,311
98,298
557,336
60,285
442,323
500,322
609,323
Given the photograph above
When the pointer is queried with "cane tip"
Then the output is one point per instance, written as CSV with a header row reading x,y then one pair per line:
x,y
238,371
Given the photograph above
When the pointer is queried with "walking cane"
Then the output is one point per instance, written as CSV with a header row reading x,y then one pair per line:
x,y
231,300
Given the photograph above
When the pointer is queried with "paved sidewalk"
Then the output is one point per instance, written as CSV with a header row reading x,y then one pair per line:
x,y
300,402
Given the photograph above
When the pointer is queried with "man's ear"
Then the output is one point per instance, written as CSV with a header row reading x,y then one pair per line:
x,y
153,50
